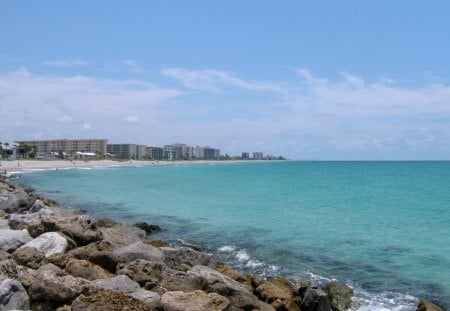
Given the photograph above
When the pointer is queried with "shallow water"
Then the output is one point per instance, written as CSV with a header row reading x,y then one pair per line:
x,y
380,226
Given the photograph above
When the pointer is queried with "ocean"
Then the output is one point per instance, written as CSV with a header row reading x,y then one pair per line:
x,y
381,227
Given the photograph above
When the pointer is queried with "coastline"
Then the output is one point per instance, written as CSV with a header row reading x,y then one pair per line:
x,y
278,293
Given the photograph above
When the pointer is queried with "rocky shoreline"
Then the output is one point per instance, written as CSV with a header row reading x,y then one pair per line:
x,y
53,258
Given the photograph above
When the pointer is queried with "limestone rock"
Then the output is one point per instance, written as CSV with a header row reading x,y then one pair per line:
x,y
340,296
193,301
12,295
151,299
176,257
50,243
143,271
121,283
29,256
14,201
86,270
173,280
425,305
104,259
315,299
119,236
139,250
277,288
12,239
148,228
102,300
84,252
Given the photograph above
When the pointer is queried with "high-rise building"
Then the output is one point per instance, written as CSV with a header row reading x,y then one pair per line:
x,y
69,147
258,156
245,156
128,151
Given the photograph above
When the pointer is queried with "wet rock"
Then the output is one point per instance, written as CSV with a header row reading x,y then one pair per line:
x,y
193,301
425,305
250,282
315,299
50,243
139,250
52,284
12,239
176,257
277,288
143,271
148,228
86,270
101,300
104,259
121,283
12,295
156,243
28,256
340,296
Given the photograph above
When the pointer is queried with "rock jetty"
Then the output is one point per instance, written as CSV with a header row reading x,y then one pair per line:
x,y
54,259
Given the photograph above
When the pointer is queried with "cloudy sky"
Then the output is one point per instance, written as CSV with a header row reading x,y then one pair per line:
x,y
325,80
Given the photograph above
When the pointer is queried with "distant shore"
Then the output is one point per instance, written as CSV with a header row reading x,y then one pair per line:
x,y
13,166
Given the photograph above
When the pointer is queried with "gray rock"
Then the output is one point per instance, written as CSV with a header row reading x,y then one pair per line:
x,y
37,205
106,260
12,295
148,228
193,301
121,283
139,250
29,256
12,239
176,257
4,224
143,272
15,201
50,243
340,296
102,300
151,299
119,236
86,270
221,284
426,305
315,299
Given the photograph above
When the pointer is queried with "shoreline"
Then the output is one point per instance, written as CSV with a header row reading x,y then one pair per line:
x,y
296,294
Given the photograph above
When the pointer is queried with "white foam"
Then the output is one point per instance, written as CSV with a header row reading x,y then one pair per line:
x,y
385,301
227,249
242,256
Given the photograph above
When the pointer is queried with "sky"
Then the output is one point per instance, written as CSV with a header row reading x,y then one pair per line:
x,y
309,80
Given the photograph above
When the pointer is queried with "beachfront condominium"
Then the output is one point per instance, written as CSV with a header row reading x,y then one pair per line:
x,y
206,153
68,147
155,153
126,151
258,156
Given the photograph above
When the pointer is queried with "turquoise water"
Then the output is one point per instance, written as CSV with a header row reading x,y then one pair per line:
x,y
382,227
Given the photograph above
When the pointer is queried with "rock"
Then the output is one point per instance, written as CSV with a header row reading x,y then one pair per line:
x,y
173,280
156,243
151,299
425,305
148,228
4,224
15,201
340,296
12,295
86,270
36,206
193,301
250,282
12,239
50,243
119,236
4,255
277,288
59,260
52,284
143,271
176,257
84,252
28,256
104,259
214,281
107,223
315,299
139,250
102,300
121,283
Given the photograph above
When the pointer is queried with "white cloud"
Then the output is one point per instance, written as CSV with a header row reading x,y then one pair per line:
x,y
65,63
86,126
132,119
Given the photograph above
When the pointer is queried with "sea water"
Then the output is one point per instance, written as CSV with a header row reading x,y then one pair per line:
x,y
381,227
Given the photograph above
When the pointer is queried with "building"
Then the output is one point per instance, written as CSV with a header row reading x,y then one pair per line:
x,y
127,151
155,153
68,147
141,152
178,152
245,156
258,156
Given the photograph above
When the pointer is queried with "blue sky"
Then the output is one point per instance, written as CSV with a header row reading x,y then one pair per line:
x,y
326,80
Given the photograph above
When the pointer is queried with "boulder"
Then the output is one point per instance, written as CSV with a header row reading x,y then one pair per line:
x,y
104,259
50,243
173,280
151,299
146,273
277,288
10,240
28,256
148,228
425,305
139,250
86,270
4,255
10,269
340,296
250,282
52,284
214,281
119,236
176,258
315,299
12,295
37,205
4,224
193,301
121,283
15,201
101,300
84,252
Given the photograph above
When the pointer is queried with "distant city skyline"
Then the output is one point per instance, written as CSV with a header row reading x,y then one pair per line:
x,y
322,80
